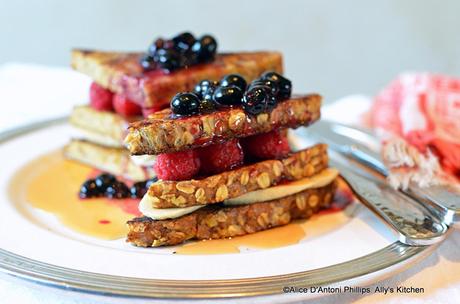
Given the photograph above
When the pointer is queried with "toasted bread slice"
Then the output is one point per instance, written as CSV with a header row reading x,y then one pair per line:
x,y
234,183
101,127
160,133
112,160
217,221
122,73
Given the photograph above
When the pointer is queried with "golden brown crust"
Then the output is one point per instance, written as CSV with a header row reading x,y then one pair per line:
x,y
214,222
101,123
162,134
234,183
116,161
122,73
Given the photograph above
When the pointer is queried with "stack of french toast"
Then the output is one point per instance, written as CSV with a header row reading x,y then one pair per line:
x,y
205,134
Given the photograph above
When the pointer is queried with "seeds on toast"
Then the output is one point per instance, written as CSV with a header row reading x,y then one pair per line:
x,y
230,184
214,222
162,134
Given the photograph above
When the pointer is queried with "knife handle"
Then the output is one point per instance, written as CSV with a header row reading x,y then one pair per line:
x,y
414,223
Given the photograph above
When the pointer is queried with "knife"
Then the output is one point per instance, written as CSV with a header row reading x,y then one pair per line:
x,y
361,146
414,223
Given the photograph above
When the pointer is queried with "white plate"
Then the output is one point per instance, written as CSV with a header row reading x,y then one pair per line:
x,y
35,245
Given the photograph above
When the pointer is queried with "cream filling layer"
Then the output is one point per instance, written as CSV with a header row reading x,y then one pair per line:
x,y
319,180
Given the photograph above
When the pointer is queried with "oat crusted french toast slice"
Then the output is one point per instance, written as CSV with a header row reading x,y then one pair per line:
x,y
217,221
122,73
102,127
116,161
230,184
160,133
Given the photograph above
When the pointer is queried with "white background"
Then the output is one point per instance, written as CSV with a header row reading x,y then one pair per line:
x,y
333,47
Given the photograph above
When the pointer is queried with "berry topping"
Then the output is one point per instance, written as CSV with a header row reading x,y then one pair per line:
x,y
205,48
156,45
184,41
258,99
185,104
125,107
168,59
203,86
221,157
104,180
267,145
148,62
207,105
138,189
117,189
181,51
89,189
266,82
100,98
284,84
177,166
228,96
107,185
234,79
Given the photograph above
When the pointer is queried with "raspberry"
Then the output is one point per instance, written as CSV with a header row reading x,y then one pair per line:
x,y
267,145
100,98
124,106
177,166
221,157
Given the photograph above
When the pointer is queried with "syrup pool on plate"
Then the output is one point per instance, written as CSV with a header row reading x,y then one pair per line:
x,y
51,183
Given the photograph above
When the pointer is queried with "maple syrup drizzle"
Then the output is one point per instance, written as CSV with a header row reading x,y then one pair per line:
x,y
51,183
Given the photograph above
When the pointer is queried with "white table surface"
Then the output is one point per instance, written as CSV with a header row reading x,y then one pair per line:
x,y
30,93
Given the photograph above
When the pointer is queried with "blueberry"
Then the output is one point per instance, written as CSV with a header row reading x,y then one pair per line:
x,y
205,48
284,84
138,189
117,189
266,82
149,182
189,59
234,79
103,180
258,99
228,96
148,62
89,189
156,45
207,105
208,95
185,104
201,88
184,41
168,59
